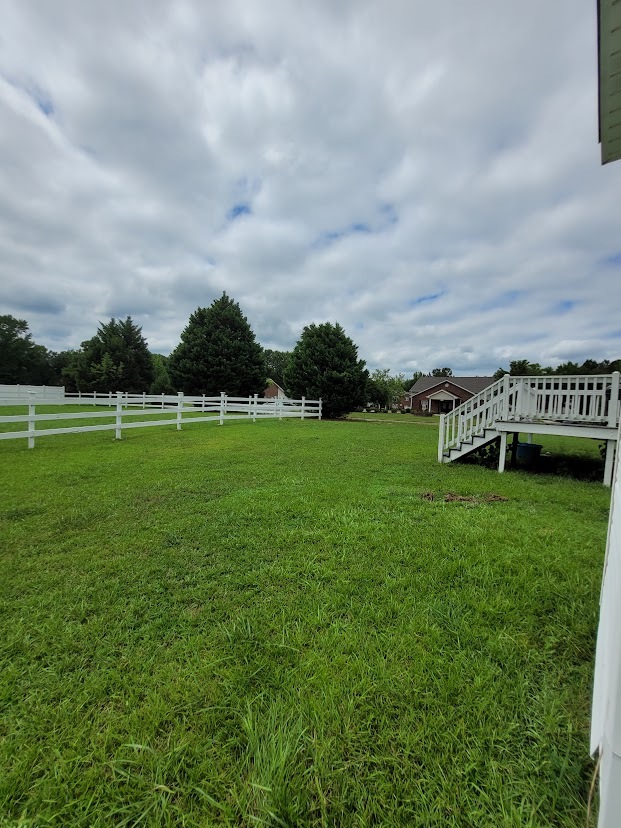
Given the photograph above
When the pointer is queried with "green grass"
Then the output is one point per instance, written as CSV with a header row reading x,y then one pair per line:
x,y
270,625
395,416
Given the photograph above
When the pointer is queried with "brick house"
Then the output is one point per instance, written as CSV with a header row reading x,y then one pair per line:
x,y
438,395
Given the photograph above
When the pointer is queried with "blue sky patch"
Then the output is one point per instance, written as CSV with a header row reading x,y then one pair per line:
x,y
613,261
45,104
389,214
428,297
330,236
503,300
238,210
564,306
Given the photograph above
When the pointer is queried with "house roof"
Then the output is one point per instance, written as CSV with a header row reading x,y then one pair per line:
x,y
471,384
273,382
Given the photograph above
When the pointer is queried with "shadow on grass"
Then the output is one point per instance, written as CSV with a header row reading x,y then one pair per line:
x,y
577,466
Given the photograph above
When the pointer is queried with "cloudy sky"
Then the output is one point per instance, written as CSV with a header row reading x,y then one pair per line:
x,y
426,174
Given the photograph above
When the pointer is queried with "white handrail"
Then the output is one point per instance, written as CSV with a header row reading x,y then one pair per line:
x,y
591,398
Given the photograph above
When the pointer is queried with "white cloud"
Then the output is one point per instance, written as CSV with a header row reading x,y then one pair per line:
x,y
426,175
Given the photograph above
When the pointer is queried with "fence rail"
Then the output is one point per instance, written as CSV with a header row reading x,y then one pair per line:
x,y
44,393
197,410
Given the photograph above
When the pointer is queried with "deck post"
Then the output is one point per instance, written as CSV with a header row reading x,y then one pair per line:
x,y
514,448
610,453
613,405
441,438
503,451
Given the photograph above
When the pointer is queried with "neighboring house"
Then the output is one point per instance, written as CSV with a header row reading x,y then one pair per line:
x,y
274,391
439,395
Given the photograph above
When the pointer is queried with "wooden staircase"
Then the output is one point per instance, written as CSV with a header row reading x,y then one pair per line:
x,y
469,444
585,406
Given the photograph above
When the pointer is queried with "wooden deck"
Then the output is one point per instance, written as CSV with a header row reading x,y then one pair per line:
x,y
571,406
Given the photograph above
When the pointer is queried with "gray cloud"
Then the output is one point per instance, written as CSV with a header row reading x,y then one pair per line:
x,y
429,177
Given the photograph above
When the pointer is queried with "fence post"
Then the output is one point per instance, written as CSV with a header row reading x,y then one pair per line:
x,y
441,438
254,408
179,409
31,421
144,400
320,407
119,413
222,406
303,401
613,405
279,404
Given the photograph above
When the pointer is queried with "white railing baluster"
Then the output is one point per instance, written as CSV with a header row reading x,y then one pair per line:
x,y
614,401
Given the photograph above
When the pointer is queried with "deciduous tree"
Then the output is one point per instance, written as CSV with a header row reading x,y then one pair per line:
x,y
384,389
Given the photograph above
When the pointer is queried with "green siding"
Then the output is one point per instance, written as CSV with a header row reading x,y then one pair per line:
x,y
610,79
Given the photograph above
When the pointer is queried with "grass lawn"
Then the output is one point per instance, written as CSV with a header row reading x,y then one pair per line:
x,y
287,624
395,416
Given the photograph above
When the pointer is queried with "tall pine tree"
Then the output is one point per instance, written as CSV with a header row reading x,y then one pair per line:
x,y
117,357
324,364
218,352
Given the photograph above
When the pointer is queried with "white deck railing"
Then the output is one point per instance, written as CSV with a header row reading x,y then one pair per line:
x,y
197,409
590,399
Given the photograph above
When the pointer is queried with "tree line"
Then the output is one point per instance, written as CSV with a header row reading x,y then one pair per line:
x,y
524,368
218,352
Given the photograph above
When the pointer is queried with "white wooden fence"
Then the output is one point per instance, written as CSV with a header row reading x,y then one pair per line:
x,y
48,393
606,710
196,410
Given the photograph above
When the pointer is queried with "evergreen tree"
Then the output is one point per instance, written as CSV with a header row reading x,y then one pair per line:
x,y
106,375
118,356
161,378
276,364
324,364
218,352
22,361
